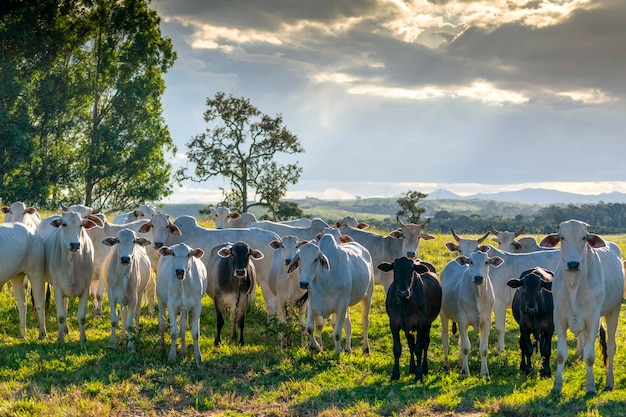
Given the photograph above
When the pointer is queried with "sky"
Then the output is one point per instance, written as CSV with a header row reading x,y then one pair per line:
x,y
388,96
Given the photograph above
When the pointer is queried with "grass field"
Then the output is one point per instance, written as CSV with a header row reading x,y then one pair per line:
x,y
44,378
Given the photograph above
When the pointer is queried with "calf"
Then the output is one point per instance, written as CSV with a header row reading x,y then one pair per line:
x,y
126,271
413,303
588,284
532,309
337,275
232,279
181,283
467,299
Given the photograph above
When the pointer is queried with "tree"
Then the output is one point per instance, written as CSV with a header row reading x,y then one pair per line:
x,y
241,146
409,205
84,83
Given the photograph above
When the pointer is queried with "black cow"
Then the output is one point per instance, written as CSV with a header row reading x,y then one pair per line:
x,y
232,280
413,303
532,309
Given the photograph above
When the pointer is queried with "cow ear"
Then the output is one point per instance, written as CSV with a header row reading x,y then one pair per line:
x,y
385,266
514,283
5,209
550,241
235,215
595,241
345,239
145,228
89,224
483,248
397,234
275,244
142,241
452,247
110,241
295,263
97,220
517,245
462,260
256,254
197,253
55,223
546,285
496,261
426,236
174,230
165,251
224,252
324,262
420,268
361,225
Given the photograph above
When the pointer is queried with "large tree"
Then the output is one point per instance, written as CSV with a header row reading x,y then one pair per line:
x,y
409,205
82,82
240,144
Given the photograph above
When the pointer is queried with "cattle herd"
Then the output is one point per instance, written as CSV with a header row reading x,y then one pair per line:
x,y
314,271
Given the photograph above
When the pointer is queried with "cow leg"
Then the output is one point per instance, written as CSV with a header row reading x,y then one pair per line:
x,y
195,332
82,314
397,351
150,294
464,348
545,350
612,320
313,344
129,317
38,287
268,297
445,339
422,344
589,355
97,288
526,349
560,325
17,283
483,332
184,323
114,321
499,311
366,305
162,324
173,313
61,303
219,319
347,326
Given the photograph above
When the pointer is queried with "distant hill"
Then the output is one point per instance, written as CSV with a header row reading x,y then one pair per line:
x,y
534,196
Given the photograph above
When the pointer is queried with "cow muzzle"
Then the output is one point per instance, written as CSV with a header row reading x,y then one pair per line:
x,y
410,255
74,247
304,285
479,280
573,266
240,273
404,294
180,274
125,260
532,310
158,245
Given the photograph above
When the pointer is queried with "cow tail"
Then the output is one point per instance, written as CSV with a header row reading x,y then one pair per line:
x,y
603,344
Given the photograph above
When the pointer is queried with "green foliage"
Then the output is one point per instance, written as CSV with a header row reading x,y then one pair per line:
x,y
409,206
241,146
81,87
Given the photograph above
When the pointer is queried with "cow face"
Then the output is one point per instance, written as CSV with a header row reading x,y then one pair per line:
x,y
311,262
412,234
465,246
125,241
479,263
161,229
288,247
531,283
575,242
506,240
240,254
405,271
182,258
70,226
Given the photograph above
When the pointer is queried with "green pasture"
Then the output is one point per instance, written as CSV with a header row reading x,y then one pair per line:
x,y
44,378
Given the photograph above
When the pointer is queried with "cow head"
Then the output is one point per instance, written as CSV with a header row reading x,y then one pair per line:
x,y
240,254
288,247
71,228
465,246
311,261
506,240
575,241
125,241
182,257
531,283
161,229
478,263
412,234
405,271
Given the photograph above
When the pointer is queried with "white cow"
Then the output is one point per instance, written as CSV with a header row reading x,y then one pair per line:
x,y
69,265
588,284
226,219
186,229
23,253
506,240
126,271
467,299
284,286
350,221
143,211
514,265
302,233
181,283
21,213
337,276
102,250
402,242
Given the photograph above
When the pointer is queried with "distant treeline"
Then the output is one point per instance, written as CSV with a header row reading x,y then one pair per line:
x,y
603,218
